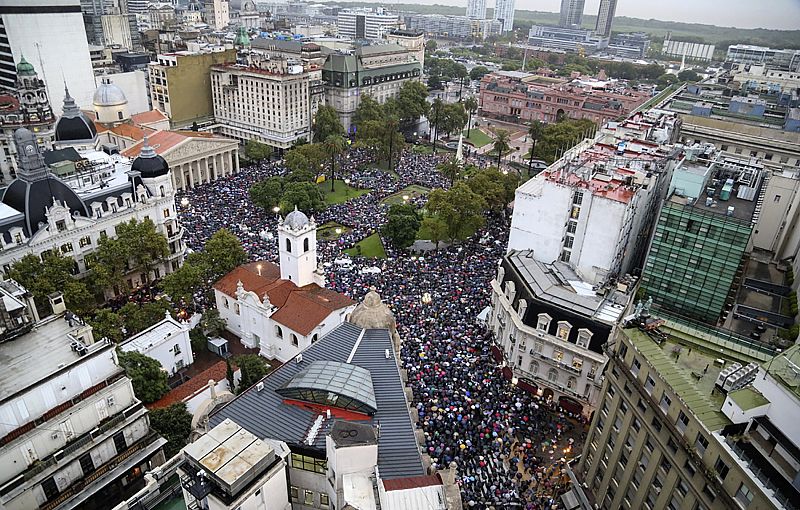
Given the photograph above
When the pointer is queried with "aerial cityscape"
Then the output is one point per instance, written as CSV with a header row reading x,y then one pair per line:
x,y
286,255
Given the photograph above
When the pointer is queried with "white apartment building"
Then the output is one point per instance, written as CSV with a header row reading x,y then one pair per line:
x,y
366,23
218,13
476,9
74,435
283,309
167,342
504,12
550,326
594,207
266,100
50,34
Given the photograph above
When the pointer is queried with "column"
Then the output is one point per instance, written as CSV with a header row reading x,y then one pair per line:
x,y
204,173
191,175
235,155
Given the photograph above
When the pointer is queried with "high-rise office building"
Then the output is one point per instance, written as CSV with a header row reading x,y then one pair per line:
x,y
605,16
571,12
366,23
476,9
504,12
52,38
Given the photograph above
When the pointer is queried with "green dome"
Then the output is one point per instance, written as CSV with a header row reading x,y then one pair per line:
x,y
24,68
242,39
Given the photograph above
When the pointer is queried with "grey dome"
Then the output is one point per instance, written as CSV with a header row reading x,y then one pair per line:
x,y
148,163
108,94
296,220
73,125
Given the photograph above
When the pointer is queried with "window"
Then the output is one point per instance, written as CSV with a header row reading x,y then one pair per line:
x,y
584,335
672,445
558,355
85,241
721,468
623,351
688,468
637,365
166,213
533,367
701,444
236,307
577,363
564,328
744,495
656,424
552,375
649,384
289,245
544,322
323,499
294,492
305,245
309,497
307,463
227,305
641,405
571,383
294,340
683,421
665,403
278,331
777,198
176,349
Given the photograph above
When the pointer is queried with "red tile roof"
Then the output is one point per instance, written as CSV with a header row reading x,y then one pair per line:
x,y
192,386
412,482
300,309
148,117
161,141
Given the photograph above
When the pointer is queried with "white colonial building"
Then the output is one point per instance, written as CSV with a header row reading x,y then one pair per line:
x,y
167,342
282,309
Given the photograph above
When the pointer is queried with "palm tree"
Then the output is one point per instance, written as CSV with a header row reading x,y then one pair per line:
x,y
471,105
450,169
535,132
502,137
334,145
436,108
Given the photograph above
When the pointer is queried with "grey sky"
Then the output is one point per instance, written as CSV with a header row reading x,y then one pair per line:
x,y
779,14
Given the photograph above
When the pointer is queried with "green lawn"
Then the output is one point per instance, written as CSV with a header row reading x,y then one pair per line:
x,y
370,247
328,231
342,192
422,149
477,137
412,191
423,234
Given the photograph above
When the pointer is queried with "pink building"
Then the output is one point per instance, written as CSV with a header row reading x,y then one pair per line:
x,y
515,96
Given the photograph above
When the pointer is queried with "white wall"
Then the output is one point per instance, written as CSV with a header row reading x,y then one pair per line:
x,y
163,349
193,402
780,198
57,47
540,213
784,409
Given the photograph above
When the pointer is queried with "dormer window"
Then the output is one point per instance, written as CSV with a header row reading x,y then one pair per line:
x,y
511,290
544,322
584,336
522,306
501,273
18,238
61,225
564,328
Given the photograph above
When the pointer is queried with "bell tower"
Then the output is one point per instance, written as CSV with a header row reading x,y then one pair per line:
x,y
297,246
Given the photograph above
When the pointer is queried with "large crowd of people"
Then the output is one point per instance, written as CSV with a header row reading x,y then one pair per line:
x,y
508,445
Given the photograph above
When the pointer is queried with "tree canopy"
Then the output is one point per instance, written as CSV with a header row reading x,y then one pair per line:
x,y
459,208
326,123
253,368
256,151
560,136
478,72
412,103
49,274
303,195
149,381
174,423
402,225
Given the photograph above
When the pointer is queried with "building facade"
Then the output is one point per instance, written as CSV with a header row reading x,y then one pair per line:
x,y
378,71
366,23
605,17
453,27
166,341
571,13
180,85
779,59
266,100
217,13
673,434
476,9
27,28
504,13
28,106
573,39
549,333
412,40
74,435
702,234
522,97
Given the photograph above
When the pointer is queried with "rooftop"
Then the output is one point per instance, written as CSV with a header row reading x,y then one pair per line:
x,y
40,353
685,372
152,336
748,398
557,283
266,414
785,368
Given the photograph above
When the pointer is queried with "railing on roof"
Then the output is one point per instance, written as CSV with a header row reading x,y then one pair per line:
x,y
722,337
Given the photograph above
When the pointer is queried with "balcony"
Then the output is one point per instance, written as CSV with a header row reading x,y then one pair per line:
x,y
763,471
174,235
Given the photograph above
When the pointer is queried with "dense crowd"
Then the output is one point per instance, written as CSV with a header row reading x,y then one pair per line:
x,y
508,445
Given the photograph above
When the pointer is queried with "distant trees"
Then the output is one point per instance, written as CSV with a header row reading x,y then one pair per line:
x,y
688,75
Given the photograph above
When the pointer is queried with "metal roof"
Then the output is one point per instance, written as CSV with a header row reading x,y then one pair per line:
x,y
265,414
335,384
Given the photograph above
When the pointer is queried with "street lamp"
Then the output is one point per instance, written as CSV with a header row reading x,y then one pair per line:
x,y
426,298
276,210
347,187
405,198
338,231
259,269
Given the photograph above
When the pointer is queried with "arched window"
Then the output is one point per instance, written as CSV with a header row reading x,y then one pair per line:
x,y
289,245
552,375
119,114
278,332
294,340
305,245
314,338
533,367
571,383
161,189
